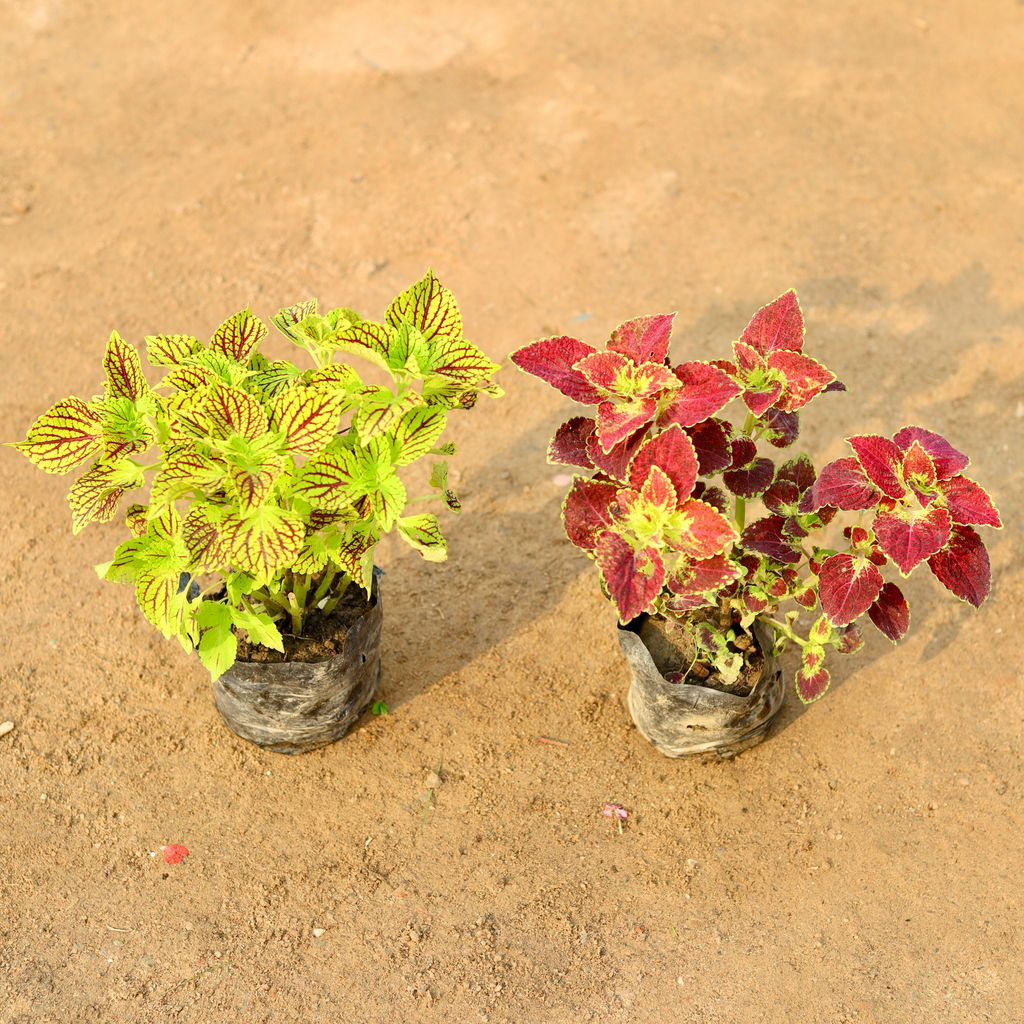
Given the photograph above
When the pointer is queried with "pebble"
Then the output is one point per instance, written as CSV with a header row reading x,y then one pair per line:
x,y
6,727
317,932
433,781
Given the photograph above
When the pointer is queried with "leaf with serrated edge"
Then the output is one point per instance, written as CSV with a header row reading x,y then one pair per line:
x,y
429,306
586,511
969,503
569,445
232,411
388,500
264,540
379,410
891,613
424,533
286,319
673,452
634,578
171,349
698,530
645,339
553,360
94,496
712,443
254,481
65,436
200,532
705,391
615,463
848,586
778,325
765,536
123,369
811,684
159,599
881,460
781,428
239,336
962,567
841,484
416,433
948,461
910,536
617,421
805,378
355,555
752,480
308,419
462,361
610,372
329,481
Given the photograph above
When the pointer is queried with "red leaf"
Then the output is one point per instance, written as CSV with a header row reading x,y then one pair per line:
x,y
948,461
918,466
800,471
969,503
748,358
759,402
174,854
711,441
743,451
847,587
634,578
752,480
782,428
553,359
706,390
766,537
607,371
585,511
891,613
706,532
963,567
779,325
881,461
672,451
811,684
910,537
841,484
658,490
805,378
569,445
645,339
707,574
616,462
616,422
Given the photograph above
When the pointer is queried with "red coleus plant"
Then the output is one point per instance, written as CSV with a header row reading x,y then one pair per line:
x,y
664,511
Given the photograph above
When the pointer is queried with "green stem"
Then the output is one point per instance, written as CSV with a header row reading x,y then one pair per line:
x,y
325,586
332,602
784,630
741,503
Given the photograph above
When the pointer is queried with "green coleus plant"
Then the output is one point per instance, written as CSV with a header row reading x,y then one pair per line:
x,y
269,485
664,511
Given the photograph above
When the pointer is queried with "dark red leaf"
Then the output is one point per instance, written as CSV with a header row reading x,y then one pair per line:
x,y
552,359
909,537
948,461
742,452
841,484
752,480
765,537
836,385
811,684
672,451
711,442
781,428
891,613
963,566
616,462
969,503
569,445
585,511
617,421
634,578
782,497
645,339
706,390
779,325
800,471
881,461
850,639
847,586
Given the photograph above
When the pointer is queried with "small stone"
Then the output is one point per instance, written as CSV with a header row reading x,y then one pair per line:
x,y
433,781
6,727
317,932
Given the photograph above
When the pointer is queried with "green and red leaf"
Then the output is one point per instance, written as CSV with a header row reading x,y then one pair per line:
x,y
462,361
430,307
777,326
781,429
634,578
812,679
554,361
969,503
586,511
171,349
695,584
160,601
848,586
330,482
644,339
200,533
307,418
263,540
766,537
123,369
948,460
615,463
423,532
698,530
671,451
962,567
232,411
94,496
617,421
254,481
712,441
805,378
891,613
909,536
65,436
751,480
416,433
706,390
239,336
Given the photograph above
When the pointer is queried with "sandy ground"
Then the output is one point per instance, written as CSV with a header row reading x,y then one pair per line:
x,y
563,167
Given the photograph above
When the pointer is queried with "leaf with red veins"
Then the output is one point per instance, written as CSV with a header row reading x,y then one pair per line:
x,y
948,461
969,503
658,491
752,480
919,467
841,484
765,536
704,575
742,451
777,326
616,462
569,445
586,511
805,378
811,684
909,536
553,359
782,497
706,390
963,566
672,451
698,530
891,613
711,440
748,359
644,339
761,400
634,578
881,460
608,372
617,421
781,428
848,586
653,380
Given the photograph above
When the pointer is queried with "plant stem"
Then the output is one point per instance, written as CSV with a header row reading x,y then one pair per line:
x,y
332,602
325,586
741,503
786,631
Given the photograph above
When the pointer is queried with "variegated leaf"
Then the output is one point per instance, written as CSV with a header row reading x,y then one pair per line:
x,y
423,532
307,418
429,306
416,433
233,412
264,540
65,436
239,336
123,369
171,349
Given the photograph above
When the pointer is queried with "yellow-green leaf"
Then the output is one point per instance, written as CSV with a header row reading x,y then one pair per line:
x,y
65,436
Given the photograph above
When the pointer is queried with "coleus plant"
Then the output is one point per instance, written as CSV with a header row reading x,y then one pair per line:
x,y
663,512
269,485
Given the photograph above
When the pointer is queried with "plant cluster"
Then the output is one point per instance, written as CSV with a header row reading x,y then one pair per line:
x,y
663,512
275,481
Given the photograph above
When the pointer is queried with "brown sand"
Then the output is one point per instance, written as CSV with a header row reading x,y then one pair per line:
x,y
563,167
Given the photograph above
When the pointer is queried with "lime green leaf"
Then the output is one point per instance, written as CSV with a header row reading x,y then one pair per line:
x,y
218,648
160,601
429,306
388,500
308,419
94,495
263,540
288,318
259,626
65,436
185,470
329,481
424,534
379,408
189,378
353,551
222,366
254,482
212,614
126,431
271,379
416,433
462,361
366,338
123,567
123,368
338,378
171,349
136,519
233,412
239,336
312,557
238,584
439,476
